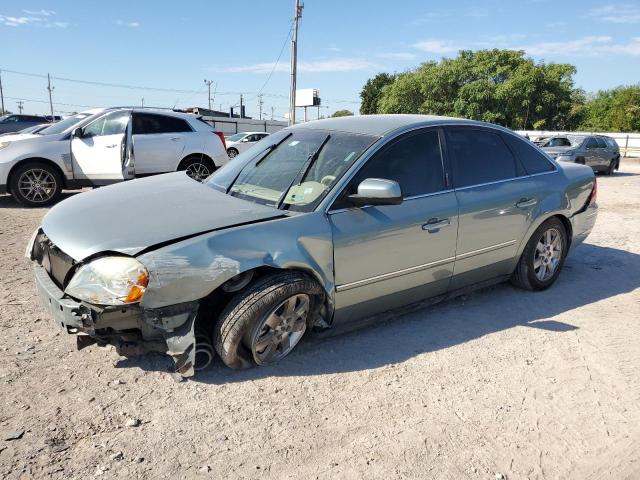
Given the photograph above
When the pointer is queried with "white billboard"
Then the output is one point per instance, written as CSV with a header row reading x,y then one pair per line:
x,y
307,97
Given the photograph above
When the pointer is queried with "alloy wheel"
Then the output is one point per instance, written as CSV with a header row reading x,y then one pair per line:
x,y
198,171
548,254
232,153
281,330
37,185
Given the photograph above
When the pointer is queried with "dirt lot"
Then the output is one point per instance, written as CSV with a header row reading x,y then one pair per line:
x,y
499,383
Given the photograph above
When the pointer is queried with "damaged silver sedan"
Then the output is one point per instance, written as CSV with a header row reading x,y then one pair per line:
x,y
316,225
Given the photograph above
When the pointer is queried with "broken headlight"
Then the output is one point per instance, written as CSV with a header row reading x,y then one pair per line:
x,y
110,281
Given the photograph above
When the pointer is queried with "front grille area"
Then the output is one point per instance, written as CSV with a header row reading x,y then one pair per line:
x,y
57,263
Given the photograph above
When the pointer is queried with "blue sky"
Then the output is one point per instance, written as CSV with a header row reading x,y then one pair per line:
x,y
176,45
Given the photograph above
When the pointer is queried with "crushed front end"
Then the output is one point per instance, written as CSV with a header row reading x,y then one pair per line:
x,y
132,329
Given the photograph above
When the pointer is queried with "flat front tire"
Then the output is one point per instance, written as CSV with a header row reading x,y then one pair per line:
x,y
543,257
263,323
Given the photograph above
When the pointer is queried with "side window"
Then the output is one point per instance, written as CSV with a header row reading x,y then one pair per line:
x,y
110,124
532,160
601,142
145,124
592,143
479,156
414,161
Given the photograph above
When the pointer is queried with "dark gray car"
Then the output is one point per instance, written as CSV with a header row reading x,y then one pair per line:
x,y
15,123
599,152
317,225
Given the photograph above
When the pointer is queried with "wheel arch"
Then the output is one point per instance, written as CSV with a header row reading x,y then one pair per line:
x,y
539,221
198,156
46,161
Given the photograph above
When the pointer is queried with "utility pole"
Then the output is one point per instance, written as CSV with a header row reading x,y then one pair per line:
x,y
294,64
272,113
142,103
260,103
1,93
241,107
208,84
50,88
20,104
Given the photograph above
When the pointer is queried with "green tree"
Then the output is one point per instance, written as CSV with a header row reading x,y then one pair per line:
x,y
372,91
616,110
342,113
499,86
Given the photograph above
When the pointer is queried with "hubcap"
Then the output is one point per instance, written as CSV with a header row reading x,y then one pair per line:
x,y
198,171
232,153
548,254
37,185
281,330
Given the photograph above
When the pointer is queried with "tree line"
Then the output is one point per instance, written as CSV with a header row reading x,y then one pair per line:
x,y
503,87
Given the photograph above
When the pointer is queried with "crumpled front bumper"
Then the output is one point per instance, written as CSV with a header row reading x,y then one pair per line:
x,y
133,330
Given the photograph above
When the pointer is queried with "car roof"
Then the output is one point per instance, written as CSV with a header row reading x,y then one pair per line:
x,y
380,125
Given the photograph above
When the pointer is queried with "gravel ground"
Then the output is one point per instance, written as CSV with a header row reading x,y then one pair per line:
x,y
498,384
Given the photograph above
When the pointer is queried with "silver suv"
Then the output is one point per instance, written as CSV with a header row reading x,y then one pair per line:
x,y
599,152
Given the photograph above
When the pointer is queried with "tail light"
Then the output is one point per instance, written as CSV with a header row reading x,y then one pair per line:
x,y
221,137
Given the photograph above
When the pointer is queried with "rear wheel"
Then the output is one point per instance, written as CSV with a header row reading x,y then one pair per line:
x,y
264,323
611,168
36,184
197,167
232,152
543,257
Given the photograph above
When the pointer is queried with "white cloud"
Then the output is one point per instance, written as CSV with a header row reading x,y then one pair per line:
x,y
397,55
40,18
122,23
623,13
591,45
437,46
334,65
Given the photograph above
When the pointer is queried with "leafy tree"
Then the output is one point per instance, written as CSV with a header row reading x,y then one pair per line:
x,y
371,92
615,110
499,86
342,113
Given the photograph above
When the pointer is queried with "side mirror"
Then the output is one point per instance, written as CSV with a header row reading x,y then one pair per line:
x,y
78,133
377,191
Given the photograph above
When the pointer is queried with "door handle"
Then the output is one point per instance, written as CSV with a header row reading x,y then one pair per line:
x,y
526,202
111,146
435,224
175,139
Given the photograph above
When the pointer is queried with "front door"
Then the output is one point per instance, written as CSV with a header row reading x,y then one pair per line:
x,y
100,155
496,200
392,255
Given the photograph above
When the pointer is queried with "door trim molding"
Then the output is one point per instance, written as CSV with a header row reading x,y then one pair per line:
x,y
418,268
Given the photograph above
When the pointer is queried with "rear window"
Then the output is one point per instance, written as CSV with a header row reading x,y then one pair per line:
x,y
530,157
558,142
479,156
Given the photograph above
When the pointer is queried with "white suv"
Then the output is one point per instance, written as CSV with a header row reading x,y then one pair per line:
x,y
99,147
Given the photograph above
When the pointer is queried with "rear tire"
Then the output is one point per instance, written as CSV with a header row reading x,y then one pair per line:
x,y
35,184
197,167
244,325
611,168
543,257
232,152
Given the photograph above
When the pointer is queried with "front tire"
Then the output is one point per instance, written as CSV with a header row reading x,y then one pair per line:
x,y
36,184
232,152
543,257
264,323
611,168
197,167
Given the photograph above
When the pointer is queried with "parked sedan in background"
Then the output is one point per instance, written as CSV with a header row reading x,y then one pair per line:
x,y
33,129
243,141
599,152
104,146
321,223
15,123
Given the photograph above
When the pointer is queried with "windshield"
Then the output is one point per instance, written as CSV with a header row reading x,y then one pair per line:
x,y
289,175
62,125
3,118
237,137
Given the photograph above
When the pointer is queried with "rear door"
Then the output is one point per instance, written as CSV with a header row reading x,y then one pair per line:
x,y
158,142
387,256
593,156
100,155
496,200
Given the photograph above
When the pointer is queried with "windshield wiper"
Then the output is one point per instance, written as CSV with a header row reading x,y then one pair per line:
x,y
303,171
266,153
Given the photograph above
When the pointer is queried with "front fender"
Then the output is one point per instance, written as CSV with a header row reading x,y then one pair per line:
x,y
191,269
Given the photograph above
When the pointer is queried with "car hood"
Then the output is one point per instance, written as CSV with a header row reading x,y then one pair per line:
x,y
14,137
557,150
132,216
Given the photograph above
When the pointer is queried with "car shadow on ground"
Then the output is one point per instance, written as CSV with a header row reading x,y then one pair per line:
x,y
7,201
591,274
